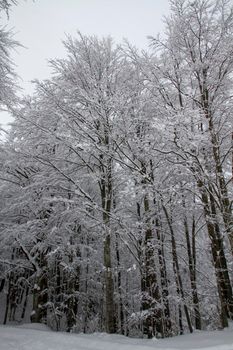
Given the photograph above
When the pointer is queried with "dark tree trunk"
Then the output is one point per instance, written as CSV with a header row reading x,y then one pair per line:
x,y
167,325
212,226
106,198
177,269
120,312
40,298
151,298
7,300
192,268
193,279
25,303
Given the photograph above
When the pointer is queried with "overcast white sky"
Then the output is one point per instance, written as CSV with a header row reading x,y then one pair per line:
x,y
41,26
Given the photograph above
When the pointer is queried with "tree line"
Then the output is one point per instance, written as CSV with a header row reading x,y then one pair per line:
x,y
116,182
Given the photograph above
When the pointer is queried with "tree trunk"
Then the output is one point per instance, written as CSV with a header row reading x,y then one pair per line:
x,y
7,300
193,279
215,248
177,269
120,302
192,272
40,298
25,303
106,196
167,325
151,298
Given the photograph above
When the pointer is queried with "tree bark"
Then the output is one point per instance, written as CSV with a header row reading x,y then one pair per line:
x,y
177,269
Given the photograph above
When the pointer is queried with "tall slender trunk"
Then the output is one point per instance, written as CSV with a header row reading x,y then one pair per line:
x,y
192,267
7,300
151,300
223,273
25,302
194,279
215,248
167,325
106,196
40,298
86,303
224,197
109,287
73,285
226,209
177,269
120,301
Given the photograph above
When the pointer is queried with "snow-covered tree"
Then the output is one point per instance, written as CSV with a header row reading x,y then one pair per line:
x,y
116,184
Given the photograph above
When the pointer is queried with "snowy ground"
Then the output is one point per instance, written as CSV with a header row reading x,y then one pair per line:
x,y
37,337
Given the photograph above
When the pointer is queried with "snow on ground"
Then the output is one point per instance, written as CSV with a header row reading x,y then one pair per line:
x,y
39,337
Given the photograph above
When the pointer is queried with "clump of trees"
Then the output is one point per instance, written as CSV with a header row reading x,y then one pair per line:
x,y
116,184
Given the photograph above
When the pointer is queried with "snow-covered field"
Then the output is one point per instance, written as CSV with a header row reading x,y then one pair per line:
x,y
37,337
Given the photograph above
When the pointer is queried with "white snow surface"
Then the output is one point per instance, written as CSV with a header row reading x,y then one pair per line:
x,y
39,337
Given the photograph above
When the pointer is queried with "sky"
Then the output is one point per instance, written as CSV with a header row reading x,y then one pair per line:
x,y
41,25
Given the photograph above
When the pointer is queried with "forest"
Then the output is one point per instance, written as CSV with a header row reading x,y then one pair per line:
x,y
116,182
